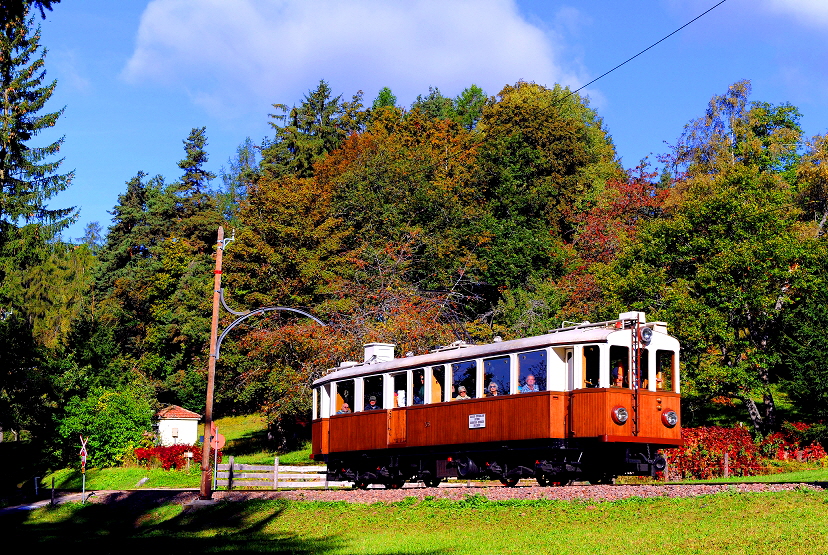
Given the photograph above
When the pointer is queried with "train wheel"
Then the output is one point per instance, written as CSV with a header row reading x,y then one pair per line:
x,y
510,482
396,483
544,481
602,479
361,484
432,482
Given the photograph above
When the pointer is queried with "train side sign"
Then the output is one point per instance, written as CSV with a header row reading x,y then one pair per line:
x,y
477,421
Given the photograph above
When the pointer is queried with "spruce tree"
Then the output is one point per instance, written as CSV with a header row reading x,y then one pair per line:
x,y
197,212
28,174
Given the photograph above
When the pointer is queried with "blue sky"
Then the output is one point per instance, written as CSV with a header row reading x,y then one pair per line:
x,y
136,76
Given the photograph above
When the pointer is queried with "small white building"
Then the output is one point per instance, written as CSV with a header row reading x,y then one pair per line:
x,y
177,426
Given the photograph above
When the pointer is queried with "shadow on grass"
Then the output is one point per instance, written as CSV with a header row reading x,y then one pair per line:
x,y
154,522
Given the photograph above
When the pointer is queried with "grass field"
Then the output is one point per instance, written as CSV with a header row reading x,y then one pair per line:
x,y
756,524
246,442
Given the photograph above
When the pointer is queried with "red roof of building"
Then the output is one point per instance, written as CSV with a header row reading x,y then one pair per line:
x,y
178,413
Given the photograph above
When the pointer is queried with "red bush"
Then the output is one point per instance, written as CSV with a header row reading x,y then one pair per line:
x,y
787,444
704,451
170,456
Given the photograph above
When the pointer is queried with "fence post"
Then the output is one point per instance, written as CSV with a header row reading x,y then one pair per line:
x,y
230,475
276,473
726,470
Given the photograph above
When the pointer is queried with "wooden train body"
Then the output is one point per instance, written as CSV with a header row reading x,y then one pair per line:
x,y
588,402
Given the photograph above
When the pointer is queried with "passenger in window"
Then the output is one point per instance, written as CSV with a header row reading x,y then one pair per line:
x,y
372,403
530,386
419,391
345,409
617,376
492,391
461,393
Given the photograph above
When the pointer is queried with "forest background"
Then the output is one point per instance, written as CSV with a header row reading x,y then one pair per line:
x,y
453,218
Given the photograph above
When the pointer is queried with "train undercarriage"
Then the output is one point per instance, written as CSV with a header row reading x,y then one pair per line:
x,y
550,463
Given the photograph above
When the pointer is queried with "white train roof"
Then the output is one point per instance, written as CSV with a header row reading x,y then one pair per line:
x,y
447,355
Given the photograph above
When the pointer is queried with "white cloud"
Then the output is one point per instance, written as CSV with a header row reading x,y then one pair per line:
x,y
222,51
811,12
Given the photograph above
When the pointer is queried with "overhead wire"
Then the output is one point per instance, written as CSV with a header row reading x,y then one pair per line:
x,y
448,157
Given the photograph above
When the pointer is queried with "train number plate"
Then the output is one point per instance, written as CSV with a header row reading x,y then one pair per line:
x,y
477,421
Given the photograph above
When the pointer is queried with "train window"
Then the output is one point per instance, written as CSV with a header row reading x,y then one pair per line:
x,y
664,370
644,370
400,389
317,402
438,380
373,388
619,366
419,386
345,397
592,366
496,376
532,371
464,374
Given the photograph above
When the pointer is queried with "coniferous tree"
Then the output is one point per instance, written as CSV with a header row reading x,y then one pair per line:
x,y
197,213
28,178
28,174
307,133
237,179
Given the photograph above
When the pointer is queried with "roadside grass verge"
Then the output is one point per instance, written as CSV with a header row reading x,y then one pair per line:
x,y
756,524
124,478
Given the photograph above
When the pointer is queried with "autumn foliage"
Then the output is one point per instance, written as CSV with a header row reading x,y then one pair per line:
x,y
169,456
703,454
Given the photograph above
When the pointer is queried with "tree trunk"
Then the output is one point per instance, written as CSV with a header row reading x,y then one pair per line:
x,y
753,412
770,412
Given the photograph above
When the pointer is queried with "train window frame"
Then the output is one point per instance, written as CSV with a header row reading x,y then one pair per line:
x,y
589,367
432,379
339,399
412,394
316,407
541,377
619,354
644,369
673,371
392,394
509,375
471,374
368,390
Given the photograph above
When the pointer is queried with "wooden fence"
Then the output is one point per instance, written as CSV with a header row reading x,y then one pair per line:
x,y
243,476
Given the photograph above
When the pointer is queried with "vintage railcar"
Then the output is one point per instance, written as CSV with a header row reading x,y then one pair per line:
x,y
587,402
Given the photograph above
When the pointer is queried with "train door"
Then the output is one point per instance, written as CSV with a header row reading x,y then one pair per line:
x,y
396,417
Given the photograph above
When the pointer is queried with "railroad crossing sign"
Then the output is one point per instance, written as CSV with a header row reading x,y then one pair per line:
x,y
217,441
83,453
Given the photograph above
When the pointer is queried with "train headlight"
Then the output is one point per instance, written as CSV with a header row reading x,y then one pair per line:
x,y
669,418
619,415
646,335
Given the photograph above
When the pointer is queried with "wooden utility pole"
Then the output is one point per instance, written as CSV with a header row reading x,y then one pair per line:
x,y
206,476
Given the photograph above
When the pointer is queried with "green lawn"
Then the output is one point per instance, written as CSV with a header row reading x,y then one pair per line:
x,y
809,475
755,524
246,442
